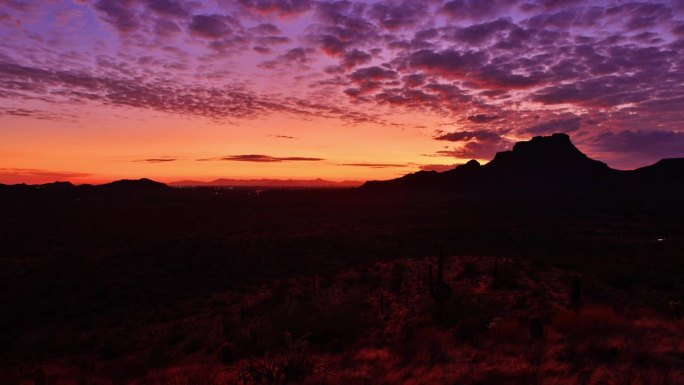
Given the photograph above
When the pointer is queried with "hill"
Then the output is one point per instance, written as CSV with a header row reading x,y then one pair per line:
x,y
542,167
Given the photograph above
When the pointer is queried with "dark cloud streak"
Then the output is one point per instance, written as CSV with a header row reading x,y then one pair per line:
x,y
258,158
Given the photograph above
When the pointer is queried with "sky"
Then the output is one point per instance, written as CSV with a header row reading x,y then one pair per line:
x,y
98,90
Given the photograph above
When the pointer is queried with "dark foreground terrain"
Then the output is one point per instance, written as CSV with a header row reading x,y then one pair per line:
x,y
204,286
138,283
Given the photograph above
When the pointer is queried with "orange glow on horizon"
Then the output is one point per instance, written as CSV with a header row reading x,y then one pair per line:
x,y
134,144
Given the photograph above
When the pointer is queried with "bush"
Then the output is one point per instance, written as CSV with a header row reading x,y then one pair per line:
x,y
591,321
292,367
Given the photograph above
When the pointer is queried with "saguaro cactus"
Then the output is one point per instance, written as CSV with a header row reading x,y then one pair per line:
x,y
439,290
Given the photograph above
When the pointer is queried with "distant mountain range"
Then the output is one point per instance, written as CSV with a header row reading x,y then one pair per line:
x,y
270,183
145,184
125,187
119,185
543,166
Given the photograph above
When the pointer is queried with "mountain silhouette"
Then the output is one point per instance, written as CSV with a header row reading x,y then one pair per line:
x,y
143,184
542,166
546,156
268,183
121,189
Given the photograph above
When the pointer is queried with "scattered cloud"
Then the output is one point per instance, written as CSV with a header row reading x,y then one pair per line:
x,y
37,176
632,149
264,158
209,26
157,160
374,165
466,136
480,144
34,114
288,137
557,125
493,66
482,118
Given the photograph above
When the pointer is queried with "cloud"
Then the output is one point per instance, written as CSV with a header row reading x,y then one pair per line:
x,y
466,136
219,103
477,150
20,5
393,15
118,13
372,74
480,33
518,67
374,165
172,8
340,26
482,118
157,160
450,64
637,148
34,114
209,26
266,29
265,158
279,7
369,79
295,56
37,176
355,58
478,144
474,9
557,125
284,137
413,80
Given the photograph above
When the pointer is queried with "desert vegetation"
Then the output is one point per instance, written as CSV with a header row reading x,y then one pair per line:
x,y
380,325
309,288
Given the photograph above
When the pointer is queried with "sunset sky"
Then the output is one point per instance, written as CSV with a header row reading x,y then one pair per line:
x,y
93,91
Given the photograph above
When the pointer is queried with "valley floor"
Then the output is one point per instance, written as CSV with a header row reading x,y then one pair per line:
x,y
379,325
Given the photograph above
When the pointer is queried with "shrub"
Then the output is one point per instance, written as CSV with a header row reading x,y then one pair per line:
x,y
591,321
292,367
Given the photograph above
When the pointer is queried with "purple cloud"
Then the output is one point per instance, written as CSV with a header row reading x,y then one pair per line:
x,y
482,118
509,67
475,9
209,26
479,144
118,13
631,149
554,126
466,136
355,58
279,7
171,8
